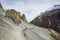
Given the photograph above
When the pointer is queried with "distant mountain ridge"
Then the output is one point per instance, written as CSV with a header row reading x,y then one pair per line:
x,y
54,7
49,19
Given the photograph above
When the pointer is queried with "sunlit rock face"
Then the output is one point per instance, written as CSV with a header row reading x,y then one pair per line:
x,y
15,16
8,29
49,19
23,17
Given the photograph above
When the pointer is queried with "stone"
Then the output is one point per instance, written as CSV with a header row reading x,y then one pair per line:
x,y
14,15
23,17
1,6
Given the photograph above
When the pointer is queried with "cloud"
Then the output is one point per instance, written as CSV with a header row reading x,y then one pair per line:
x,y
31,8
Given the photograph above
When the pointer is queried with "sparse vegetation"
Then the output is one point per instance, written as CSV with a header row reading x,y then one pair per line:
x,y
15,16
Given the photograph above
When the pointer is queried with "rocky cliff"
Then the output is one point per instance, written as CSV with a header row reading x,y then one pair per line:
x,y
49,19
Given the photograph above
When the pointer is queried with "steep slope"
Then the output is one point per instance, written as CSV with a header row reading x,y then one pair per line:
x,y
49,19
24,31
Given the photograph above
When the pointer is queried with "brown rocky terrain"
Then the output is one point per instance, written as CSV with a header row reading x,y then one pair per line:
x,y
49,19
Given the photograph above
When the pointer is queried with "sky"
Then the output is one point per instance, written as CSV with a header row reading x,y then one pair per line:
x,y
31,8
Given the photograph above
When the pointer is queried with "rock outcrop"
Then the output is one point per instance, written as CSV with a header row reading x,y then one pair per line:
x,y
23,17
55,34
15,16
1,6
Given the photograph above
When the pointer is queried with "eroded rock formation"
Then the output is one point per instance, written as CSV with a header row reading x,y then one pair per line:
x,y
15,16
23,17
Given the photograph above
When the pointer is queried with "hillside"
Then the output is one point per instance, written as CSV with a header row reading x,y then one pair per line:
x,y
49,19
24,31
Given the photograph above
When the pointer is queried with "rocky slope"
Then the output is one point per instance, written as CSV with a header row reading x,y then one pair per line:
x,y
24,31
49,19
